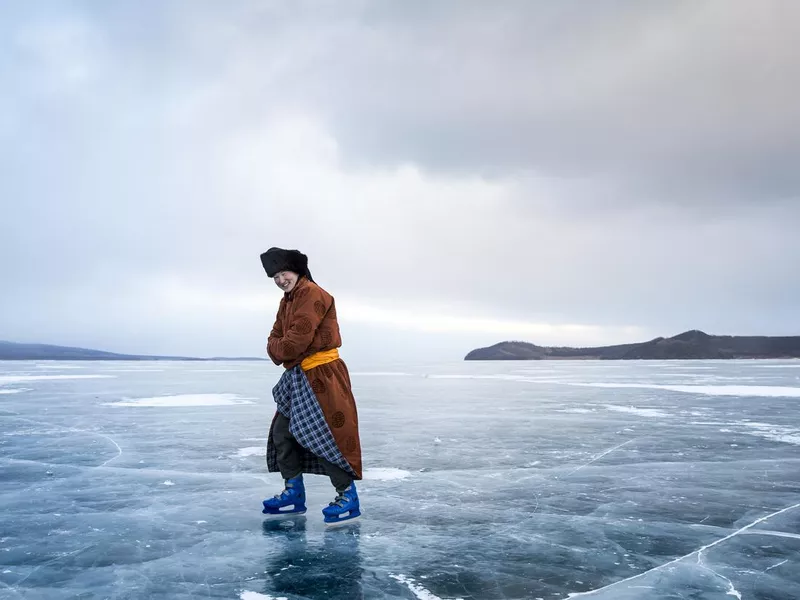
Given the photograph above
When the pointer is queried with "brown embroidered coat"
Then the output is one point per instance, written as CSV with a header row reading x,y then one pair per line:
x,y
306,324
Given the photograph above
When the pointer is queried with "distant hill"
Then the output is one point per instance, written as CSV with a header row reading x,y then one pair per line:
x,y
688,345
15,351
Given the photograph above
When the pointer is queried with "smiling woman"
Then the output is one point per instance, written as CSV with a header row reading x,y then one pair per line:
x,y
315,426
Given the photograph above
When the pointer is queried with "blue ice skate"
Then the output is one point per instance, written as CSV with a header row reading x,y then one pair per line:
x,y
291,501
344,508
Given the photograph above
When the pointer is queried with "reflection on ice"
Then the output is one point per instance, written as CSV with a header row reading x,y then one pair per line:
x,y
299,564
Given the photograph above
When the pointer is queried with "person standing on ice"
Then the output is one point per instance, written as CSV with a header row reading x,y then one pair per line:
x,y
315,426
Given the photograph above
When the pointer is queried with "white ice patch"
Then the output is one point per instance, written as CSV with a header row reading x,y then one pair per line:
x,y
168,482
577,411
58,367
491,377
14,391
385,474
251,451
420,592
642,412
766,391
380,374
774,432
183,400
133,370
25,378
217,370
257,596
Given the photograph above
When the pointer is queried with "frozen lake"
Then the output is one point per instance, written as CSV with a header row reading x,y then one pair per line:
x,y
549,480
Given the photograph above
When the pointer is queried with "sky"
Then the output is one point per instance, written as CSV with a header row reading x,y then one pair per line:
x,y
459,173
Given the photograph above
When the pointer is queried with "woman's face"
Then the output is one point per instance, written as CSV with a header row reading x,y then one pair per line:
x,y
286,280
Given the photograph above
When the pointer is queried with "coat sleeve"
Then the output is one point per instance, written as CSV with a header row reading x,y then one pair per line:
x,y
275,334
308,310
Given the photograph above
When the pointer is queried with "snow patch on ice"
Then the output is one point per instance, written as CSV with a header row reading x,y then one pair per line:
x,y
775,433
385,474
251,451
643,412
217,370
14,391
168,482
57,366
133,370
492,377
380,374
577,411
257,596
420,592
25,378
183,400
766,391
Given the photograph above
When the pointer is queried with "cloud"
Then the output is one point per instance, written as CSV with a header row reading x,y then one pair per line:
x,y
566,173
688,102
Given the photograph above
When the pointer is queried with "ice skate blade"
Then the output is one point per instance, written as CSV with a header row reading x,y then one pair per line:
x,y
283,514
343,521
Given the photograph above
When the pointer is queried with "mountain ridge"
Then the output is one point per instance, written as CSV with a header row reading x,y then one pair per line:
x,y
23,351
689,345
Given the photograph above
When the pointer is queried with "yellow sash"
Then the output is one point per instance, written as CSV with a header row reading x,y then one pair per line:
x,y
320,358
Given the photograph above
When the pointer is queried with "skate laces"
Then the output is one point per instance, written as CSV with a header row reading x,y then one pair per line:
x,y
340,500
284,494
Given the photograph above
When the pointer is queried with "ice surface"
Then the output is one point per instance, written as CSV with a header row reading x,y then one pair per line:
x,y
771,391
257,596
481,481
381,374
644,412
252,451
182,400
385,474
778,433
4,379
416,589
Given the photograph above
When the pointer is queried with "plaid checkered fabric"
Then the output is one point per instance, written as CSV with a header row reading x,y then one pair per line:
x,y
298,403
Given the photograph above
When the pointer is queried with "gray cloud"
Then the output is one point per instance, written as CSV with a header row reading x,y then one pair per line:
x,y
613,164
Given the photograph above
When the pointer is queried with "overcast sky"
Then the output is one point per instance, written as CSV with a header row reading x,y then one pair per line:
x,y
459,173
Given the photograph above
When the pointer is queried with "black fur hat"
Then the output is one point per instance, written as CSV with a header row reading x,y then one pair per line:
x,y
276,260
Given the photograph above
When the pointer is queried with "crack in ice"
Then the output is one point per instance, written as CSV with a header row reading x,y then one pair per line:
x,y
785,534
50,562
679,559
599,456
110,439
783,562
75,430
731,591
